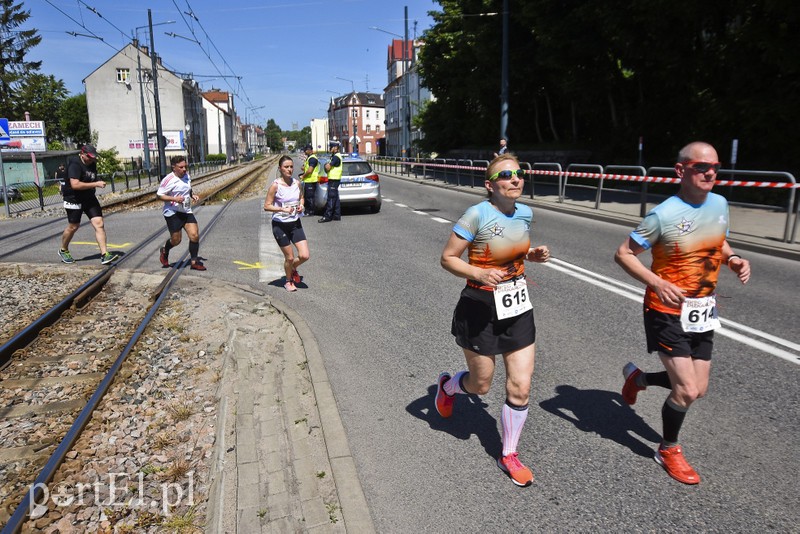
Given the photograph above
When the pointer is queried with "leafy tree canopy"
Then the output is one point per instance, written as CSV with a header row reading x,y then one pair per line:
x,y
600,75
15,43
74,119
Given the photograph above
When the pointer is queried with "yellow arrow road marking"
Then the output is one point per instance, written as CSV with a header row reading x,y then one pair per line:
x,y
109,245
256,265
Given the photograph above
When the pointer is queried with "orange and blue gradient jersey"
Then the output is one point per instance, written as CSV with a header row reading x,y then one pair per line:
x,y
496,240
686,242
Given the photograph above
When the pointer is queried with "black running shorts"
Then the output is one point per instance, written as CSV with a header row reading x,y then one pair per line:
x,y
90,206
178,220
288,232
477,328
666,336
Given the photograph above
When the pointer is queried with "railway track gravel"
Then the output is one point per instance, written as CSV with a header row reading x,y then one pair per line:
x,y
144,461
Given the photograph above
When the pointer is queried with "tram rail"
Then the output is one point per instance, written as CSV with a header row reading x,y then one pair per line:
x,y
33,359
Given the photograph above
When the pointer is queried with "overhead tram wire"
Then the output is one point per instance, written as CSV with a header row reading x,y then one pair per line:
x,y
191,29
92,35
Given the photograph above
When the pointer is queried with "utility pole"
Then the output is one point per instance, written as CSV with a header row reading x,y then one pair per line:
x,y
146,141
162,158
407,104
504,76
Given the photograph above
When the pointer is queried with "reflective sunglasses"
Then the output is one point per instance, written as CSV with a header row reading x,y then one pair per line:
x,y
701,166
507,174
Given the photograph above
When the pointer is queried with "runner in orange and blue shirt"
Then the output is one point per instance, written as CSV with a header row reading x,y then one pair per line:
x,y
687,234
494,314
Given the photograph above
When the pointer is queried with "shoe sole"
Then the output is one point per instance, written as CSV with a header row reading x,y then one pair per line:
x,y
660,461
508,474
106,262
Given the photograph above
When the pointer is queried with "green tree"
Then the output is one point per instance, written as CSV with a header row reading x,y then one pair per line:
x,y
274,135
108,161
43,96
599,75
14,46
74,119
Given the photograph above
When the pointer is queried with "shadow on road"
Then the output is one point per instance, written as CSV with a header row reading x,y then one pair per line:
x,y
469,417
605,414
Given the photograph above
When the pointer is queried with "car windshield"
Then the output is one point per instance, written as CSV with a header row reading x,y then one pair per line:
x,y
354,168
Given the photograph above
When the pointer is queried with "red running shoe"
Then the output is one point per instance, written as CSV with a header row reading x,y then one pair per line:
x,y
630,389
163,257
676,466
518,473
197,265
444,402
296,277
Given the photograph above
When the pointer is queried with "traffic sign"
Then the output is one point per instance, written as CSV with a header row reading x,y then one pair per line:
x,y
4,136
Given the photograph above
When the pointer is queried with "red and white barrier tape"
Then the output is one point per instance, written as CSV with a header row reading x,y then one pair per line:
x,y
619,177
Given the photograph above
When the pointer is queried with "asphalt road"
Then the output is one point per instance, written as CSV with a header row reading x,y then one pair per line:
x,y
380,305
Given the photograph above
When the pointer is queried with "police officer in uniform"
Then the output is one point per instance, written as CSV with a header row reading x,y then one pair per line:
x,y
310,178
333,209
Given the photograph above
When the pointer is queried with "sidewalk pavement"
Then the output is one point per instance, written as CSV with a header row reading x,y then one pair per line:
x,y
282,461
753,229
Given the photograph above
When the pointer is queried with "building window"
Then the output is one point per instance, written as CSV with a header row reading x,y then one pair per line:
x,y
377,115
367,113
377,128
369,129
123,75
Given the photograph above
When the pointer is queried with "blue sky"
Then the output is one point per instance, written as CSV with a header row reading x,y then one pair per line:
x,y
287,53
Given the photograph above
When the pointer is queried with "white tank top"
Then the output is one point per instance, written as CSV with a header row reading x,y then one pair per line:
x,y
286,196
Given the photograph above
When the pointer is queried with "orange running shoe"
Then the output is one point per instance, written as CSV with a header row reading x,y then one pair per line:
x,y
672,460
296,277
444,402
630,389
518,473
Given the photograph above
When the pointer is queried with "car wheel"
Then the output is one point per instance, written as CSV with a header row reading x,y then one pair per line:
x,y
375,209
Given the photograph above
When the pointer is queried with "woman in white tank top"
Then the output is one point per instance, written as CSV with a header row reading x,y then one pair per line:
x,y
285,201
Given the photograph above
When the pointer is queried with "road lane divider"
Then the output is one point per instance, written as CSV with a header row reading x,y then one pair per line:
x,y
731,329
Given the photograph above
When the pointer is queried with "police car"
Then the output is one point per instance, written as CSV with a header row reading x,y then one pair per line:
x,y
360,185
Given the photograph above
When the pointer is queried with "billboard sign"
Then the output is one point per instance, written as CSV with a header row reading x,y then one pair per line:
x,y
26,128
175,141
25,144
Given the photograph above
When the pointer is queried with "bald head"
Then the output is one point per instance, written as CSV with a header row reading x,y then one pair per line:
x,y
695,151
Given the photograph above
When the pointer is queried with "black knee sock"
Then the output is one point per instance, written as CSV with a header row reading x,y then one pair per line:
x,y
194,249
672,417
168,245
656,379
